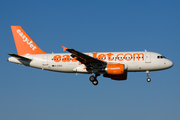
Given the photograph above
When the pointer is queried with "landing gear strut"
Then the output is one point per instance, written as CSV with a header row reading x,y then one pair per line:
x,y
148,79
93,79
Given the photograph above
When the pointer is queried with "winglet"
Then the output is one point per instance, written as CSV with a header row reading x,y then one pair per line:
x,y
64,48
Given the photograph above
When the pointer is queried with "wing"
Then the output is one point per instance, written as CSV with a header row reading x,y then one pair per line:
x,y
88,61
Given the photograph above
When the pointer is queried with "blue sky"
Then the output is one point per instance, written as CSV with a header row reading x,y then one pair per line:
x,y
89,26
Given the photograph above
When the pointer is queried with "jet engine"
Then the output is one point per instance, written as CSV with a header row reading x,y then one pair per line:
x,y
115,69
116,77
116,72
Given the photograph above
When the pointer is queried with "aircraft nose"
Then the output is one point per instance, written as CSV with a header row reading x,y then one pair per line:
x,y
169,64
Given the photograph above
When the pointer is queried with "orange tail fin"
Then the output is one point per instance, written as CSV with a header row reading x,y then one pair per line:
x,y
24,44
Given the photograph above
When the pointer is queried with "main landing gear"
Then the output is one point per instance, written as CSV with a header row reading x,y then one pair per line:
x,y
93,79
148,79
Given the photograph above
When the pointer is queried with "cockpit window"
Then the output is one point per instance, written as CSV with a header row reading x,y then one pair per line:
x,y
161,57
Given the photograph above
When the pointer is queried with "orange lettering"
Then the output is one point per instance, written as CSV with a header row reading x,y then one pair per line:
x,y
101,57
138,55
120,58
109,56
126,58
94,55
66,58
57,58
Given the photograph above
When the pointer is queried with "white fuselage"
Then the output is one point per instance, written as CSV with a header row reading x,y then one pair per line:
x,y
63,62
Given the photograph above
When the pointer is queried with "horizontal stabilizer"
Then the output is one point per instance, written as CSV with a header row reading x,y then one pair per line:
x,y
18,56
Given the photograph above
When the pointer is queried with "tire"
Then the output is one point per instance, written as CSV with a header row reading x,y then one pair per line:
x,y
95,82
148,79
92,78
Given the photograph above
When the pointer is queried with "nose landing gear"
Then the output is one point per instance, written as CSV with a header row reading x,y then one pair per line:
x,y
148,79
93,79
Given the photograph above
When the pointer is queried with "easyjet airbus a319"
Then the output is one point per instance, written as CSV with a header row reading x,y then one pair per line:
x,y
114,65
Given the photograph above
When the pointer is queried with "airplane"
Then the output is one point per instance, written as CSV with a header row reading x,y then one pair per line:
x,y
114,65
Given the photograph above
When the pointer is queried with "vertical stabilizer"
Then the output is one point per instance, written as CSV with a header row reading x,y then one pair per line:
x,y
24,44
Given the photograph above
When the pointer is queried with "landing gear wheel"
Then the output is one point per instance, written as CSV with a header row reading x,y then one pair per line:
x,y
95,82
92,78
148,79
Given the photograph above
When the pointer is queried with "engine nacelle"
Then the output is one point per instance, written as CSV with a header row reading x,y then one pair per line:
x,y
116,77
115,69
